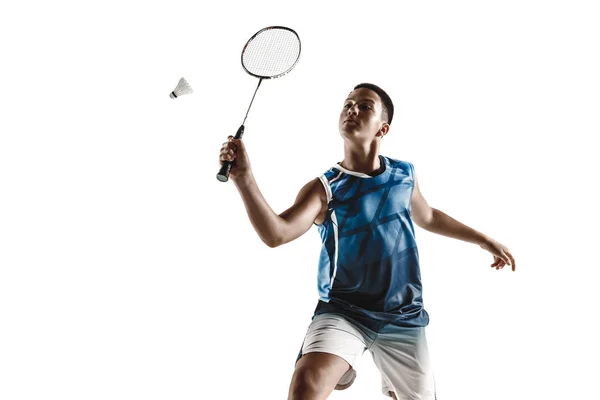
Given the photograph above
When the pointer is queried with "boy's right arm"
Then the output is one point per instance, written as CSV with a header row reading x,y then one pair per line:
x,y
274,230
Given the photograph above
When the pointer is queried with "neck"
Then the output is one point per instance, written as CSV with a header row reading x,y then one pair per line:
x,y
363,159
370,165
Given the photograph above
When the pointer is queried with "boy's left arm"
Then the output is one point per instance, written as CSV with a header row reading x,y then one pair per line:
x,y
434,220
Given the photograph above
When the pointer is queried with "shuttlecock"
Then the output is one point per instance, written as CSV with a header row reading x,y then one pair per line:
x,y
182,88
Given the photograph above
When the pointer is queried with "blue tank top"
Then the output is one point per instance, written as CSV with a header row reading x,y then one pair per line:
x,y
369,262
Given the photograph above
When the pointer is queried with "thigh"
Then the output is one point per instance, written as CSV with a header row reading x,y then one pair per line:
x,y
335,335
317,374
402,358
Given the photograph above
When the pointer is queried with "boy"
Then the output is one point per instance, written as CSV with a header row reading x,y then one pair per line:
x,y
369,278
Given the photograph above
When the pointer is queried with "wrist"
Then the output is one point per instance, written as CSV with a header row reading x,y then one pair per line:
x,y
484,241
244,180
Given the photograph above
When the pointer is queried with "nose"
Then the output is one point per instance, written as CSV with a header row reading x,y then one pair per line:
x,y
353,109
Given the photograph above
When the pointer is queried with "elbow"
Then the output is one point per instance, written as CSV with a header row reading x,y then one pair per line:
x,y
430,219
278,238
273,243
282,236
426,221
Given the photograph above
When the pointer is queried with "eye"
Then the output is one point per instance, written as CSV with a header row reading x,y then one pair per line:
x,y
347,105
365,106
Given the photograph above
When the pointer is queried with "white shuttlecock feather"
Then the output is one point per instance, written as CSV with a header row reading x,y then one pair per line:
x,y
182,88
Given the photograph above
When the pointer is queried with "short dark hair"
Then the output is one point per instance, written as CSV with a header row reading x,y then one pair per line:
x,y
388,106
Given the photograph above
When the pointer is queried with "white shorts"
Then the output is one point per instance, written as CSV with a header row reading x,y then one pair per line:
x,y
400,354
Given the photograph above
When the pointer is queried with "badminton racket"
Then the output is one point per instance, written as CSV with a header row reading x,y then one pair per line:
x,y
270,53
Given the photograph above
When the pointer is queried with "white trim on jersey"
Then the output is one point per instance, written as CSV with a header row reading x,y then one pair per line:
x,y
335,257
359,174
327,187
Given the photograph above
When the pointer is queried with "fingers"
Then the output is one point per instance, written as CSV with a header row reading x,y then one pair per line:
x,y
226,155
506,259
228,150
512,261
498,263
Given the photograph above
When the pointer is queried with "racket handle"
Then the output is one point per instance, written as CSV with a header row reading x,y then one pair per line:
x,y
223,174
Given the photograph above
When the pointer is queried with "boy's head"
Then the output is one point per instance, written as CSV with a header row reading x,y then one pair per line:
x,y
367,113
386,101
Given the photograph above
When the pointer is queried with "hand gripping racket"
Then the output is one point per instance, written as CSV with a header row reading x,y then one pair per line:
x,y
270,53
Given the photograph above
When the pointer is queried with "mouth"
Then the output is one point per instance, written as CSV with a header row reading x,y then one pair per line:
x,y
351,121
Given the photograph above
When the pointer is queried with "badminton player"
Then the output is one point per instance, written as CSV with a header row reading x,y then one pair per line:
x,y
369,281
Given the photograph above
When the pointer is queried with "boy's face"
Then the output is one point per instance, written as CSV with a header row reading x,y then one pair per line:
x,y
361,115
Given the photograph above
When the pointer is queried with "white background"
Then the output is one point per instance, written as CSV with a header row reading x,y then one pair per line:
x,y
129,272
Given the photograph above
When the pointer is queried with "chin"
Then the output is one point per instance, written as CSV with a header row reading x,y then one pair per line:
x,y
350,135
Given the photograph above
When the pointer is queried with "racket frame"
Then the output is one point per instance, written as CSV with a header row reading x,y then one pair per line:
x,y
258,33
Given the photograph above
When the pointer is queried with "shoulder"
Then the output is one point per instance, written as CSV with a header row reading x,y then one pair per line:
x,y
332,174
329,180
318,192
405,166
315,189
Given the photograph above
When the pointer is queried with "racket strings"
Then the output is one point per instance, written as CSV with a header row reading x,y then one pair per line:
x,y
271,53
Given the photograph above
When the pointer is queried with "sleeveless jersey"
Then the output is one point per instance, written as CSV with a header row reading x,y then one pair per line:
x,y
369,262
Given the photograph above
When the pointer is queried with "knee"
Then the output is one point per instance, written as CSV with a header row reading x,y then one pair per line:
x,y
306,383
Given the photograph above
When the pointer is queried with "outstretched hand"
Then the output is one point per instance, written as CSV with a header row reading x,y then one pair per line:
x,y
502,255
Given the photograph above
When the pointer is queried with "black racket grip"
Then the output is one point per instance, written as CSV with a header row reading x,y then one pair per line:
x,y
223,174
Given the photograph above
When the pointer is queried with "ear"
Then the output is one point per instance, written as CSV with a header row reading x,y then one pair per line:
x,y
383,130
